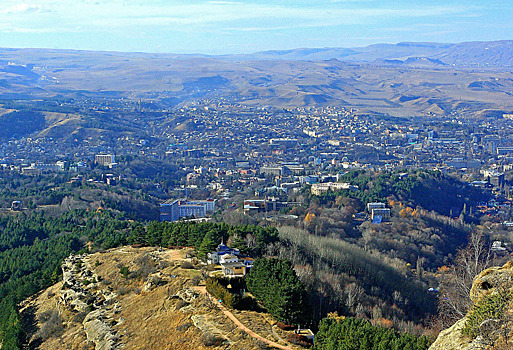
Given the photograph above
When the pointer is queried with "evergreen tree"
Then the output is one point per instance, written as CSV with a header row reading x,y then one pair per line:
x,y
274,283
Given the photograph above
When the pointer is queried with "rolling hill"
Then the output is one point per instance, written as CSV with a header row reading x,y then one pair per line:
x,y
403,79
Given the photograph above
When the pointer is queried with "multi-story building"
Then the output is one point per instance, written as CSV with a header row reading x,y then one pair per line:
x,y
383,212
376,205
173,210
318,189
269,204
105,159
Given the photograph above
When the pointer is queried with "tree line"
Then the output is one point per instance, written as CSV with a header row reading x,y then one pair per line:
x,y
357,334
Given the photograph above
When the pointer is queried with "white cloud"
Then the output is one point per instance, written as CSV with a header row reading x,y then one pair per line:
x,y
20,8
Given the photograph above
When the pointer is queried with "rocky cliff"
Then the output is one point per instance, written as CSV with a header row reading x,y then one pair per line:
x,y
488,324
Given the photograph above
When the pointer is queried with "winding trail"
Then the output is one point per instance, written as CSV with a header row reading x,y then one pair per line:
x,y
232,317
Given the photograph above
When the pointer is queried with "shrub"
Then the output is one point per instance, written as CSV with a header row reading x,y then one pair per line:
x,y
181,303
53,326
186,265
222,293
163,264
247,303
45,315
124,271
209,339
79,318
196,280
487,315
183,327
299,339
123,290
261,345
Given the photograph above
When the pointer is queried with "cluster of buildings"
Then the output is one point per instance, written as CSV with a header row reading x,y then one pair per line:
x,y
233,264
226,148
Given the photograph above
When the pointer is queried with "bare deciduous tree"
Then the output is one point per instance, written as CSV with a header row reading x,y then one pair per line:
x,y
456,283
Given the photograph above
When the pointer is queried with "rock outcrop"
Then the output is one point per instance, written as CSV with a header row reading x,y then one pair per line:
x,y
80,293
98,331
491,282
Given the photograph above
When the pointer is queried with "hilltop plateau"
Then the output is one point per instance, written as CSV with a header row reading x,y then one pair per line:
x,y
138,298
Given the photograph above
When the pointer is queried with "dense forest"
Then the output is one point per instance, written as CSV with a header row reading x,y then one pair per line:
x,y
336,333
340,276
20,123
57,193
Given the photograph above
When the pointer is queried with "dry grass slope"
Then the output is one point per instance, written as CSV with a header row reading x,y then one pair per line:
x,y
156,307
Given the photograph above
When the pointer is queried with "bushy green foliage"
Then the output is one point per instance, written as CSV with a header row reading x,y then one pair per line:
x,y
231,297
489,309
357,334
222,293
274,283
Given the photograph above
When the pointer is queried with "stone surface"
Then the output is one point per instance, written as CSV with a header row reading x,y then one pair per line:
x,y
98,331
81,296
486,283
187,295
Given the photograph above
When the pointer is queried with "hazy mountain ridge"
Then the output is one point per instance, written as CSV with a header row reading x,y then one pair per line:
x,y
387,84
467,54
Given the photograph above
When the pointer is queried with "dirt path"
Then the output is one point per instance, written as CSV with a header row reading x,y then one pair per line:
x,y
238,323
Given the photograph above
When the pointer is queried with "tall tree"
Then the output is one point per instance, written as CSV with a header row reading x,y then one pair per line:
x,y
275,284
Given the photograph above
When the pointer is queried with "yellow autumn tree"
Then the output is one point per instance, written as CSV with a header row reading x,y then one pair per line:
x,y
309,217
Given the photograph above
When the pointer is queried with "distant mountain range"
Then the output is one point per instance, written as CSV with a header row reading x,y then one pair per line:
x,y
402,79
479,53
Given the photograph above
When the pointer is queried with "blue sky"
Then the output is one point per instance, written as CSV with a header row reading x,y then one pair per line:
x,y
218,27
